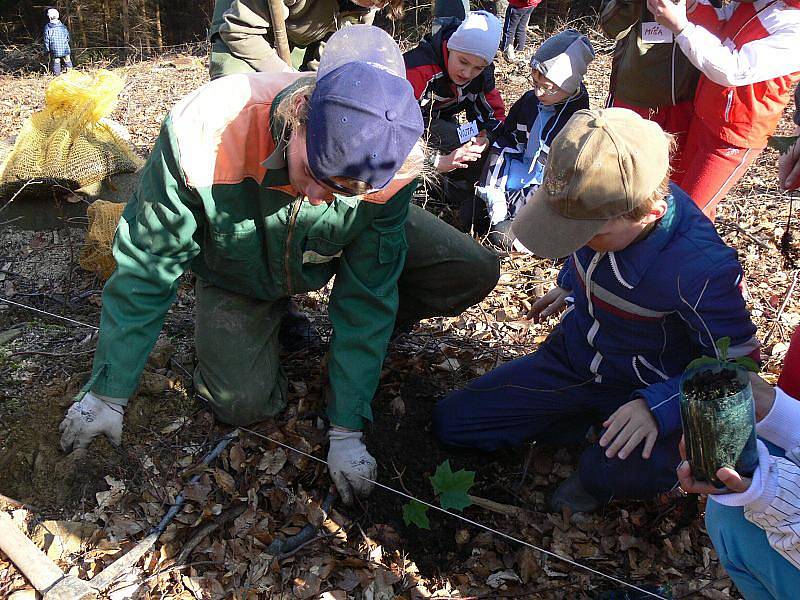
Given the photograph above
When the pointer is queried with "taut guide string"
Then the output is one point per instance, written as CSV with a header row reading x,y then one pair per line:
x,y
398,492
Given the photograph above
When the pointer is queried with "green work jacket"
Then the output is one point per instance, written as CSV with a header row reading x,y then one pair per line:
x,y
237,223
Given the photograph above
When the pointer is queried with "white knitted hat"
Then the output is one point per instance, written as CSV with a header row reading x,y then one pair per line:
x,y
479,35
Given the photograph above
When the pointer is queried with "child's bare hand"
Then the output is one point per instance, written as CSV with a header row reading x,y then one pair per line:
x,y
732,480
789,167
552,303
482,139
671,15
631,424
460,157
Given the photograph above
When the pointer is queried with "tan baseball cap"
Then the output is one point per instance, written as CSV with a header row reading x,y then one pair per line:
x,y
603,164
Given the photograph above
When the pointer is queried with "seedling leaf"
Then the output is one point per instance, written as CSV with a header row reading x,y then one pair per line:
x,y
702,361
723,344
417,513
782,143
452,487
748,363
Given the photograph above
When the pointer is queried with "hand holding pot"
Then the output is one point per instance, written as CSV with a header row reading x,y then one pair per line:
x,y
630,425
732,480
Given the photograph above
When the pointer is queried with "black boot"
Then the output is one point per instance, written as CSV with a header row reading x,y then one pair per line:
x,y
571,494
297,332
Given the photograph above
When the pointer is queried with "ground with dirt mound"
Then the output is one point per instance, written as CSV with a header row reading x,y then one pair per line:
x,y
258,491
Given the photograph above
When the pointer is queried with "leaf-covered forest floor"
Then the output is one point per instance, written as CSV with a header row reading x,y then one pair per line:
x,y
88,508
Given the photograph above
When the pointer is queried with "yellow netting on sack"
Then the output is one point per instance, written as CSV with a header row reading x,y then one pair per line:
x,y
96,252
70,141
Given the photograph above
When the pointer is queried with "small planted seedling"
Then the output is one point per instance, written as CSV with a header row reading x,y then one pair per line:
x,y
718,414
452,489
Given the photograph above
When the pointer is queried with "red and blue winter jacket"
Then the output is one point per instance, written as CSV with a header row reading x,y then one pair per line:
x,y
640,315
438,96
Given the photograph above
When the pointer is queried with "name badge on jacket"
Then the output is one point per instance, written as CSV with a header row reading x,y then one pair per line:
x,y
654,33
467,131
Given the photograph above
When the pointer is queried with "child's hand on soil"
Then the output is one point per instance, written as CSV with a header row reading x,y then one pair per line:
x,y
670,15
553,302
630,424
460,157
732,480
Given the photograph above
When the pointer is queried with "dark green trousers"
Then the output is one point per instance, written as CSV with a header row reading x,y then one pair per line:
x,y
236,337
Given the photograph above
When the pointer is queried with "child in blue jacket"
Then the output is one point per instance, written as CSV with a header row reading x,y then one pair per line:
x,y
649,286
516,160
56,42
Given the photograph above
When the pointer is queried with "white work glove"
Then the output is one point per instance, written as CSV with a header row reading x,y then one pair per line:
x,y
347,459
88,418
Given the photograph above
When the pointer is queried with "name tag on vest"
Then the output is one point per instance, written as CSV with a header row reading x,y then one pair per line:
x,y
654,33
467,131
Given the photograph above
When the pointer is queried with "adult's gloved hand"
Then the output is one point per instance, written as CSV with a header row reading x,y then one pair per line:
x,y
347,459
88,418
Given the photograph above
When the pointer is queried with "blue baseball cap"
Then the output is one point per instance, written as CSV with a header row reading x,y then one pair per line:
x,y
363,118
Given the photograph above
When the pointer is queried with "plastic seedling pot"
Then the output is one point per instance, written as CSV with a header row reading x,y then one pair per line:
x,y
719,421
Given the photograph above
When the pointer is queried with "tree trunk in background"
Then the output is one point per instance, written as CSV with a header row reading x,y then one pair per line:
x,y
81,23
159,36
106,19
146,27
126,27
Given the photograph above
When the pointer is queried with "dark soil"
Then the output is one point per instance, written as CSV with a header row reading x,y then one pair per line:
x,y
408,455
707,385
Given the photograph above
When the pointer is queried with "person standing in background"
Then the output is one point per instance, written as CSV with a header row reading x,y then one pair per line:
x,y
242,32
515,27
56,42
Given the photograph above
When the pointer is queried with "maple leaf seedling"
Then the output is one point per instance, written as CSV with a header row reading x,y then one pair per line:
x,y
452,488
417,513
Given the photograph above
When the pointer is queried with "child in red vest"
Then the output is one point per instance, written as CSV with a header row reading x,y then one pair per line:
x,y
747,54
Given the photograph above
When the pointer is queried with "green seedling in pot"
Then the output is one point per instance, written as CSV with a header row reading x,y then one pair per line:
x,y
717,413
721,358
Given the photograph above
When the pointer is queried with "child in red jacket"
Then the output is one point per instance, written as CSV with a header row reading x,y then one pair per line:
x,y
515,27
748,59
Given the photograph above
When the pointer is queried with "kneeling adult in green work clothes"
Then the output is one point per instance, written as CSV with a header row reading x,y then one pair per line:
x,y
267,185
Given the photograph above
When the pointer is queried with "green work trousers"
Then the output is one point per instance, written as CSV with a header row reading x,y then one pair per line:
x,y
236,337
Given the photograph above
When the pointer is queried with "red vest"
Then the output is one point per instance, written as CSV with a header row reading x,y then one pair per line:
x,y
745,116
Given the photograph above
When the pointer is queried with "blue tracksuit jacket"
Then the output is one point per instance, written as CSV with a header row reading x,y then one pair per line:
x,y
639,316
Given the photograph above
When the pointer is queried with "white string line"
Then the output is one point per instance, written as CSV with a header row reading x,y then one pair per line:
x,y
465,519
44,312
398,492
